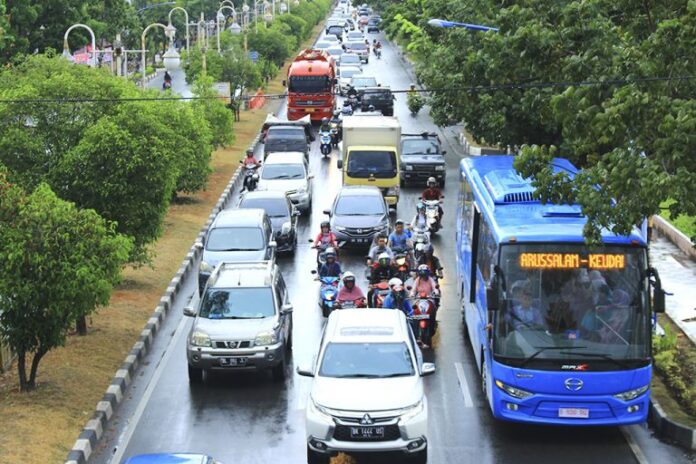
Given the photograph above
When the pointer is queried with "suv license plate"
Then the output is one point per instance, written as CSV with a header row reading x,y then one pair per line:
x,y
367,432
233,362
574,413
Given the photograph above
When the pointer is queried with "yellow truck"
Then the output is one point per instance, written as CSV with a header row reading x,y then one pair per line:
x,y
371,152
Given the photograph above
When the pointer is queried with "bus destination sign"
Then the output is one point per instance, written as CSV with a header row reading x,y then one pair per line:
x,y
600,261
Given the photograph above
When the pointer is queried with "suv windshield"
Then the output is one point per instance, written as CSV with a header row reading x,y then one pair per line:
x,y
282,171
274,207
419,147
235,239
353,205
237,303
568,302
369,163
372,360
309,84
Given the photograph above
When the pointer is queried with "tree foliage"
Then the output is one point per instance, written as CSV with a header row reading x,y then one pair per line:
x,y
217,115
634,139
59,264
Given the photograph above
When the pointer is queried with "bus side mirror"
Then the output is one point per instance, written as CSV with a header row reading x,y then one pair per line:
x,y
658,295
493,296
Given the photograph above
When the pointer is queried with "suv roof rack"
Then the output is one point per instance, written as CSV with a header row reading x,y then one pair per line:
x,y
232,265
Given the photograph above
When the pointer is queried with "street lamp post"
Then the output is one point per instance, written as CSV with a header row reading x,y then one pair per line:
x,y
449,24
245,23
168,30
187,25
203,45
66,47
221,17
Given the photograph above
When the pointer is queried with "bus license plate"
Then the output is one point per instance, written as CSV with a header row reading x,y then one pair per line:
x,y
366,432
233,362
574,413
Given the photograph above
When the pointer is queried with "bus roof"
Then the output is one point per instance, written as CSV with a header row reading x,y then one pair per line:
x,y
507,200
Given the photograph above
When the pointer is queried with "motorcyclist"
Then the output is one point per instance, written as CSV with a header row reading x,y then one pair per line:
x,y
429,259
347,108
325,126
249,162
349,291
396,299
423,283
381,272
420,220
167,84
351,92
331,268
400,238
380,247
433,192
326,238
336,119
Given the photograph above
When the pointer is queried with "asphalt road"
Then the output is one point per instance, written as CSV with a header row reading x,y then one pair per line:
x,y
248,418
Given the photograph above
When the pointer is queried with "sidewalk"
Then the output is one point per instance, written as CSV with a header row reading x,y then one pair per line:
x,y
678,274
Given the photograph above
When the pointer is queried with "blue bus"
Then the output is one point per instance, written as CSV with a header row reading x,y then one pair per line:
x,y
561,332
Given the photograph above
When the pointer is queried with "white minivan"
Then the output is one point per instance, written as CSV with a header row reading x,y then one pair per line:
x,y
367,394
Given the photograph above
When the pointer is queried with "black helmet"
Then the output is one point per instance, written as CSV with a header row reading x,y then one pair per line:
x,y
324,120
250,152
336,113
326,224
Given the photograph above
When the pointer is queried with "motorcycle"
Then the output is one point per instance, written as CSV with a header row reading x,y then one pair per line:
x,y
415,102
421,239
423,318
359,303
378,52
327,294
167,85
402,265
335,134
325,143
432,213
380,291
251,177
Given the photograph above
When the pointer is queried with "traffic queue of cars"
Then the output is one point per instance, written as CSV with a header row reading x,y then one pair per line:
x,y
367,393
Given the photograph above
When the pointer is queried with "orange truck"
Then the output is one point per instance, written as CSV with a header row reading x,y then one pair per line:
x,y
310,83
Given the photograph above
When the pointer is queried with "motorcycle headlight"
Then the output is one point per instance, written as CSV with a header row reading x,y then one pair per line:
x,y
513,391
440,168
408,167
266,338
631,394
199,338
409,413
205,267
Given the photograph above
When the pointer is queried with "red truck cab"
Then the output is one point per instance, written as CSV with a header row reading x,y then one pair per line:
x,y
310,83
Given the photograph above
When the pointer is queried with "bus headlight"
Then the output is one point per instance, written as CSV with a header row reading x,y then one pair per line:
x,y
631,394
513,391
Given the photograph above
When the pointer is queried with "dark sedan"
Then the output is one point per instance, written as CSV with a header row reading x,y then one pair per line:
x,y
357,215
280,211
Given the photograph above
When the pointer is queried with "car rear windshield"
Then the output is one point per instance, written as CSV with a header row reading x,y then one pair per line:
x,y
336,30
282,171
347,73
235,239
377,95
371,163
354,205
284,132
274,207
364,82
356,46
237,303
309,84
366,360
419,147
346,58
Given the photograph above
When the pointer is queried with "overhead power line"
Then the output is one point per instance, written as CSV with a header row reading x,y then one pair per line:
x,y
468,89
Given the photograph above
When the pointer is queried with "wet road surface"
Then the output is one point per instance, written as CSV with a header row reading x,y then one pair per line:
x,y
249,418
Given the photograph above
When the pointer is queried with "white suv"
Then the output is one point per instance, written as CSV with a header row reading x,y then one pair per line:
x,y
367,394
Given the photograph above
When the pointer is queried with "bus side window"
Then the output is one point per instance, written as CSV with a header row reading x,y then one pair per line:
x,y
486,250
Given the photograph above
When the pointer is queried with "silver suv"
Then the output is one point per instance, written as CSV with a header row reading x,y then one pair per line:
x,y
243,321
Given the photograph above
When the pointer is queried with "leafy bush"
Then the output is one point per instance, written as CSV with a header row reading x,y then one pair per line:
x,y
676,363
214,111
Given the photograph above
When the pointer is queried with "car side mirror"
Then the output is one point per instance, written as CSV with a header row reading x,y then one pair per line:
x,y
427,369
286,309
310,176
313,271
444,152
327,211
392,210
305,371
189,311
297,212
272,244
335,81
199,245
339,164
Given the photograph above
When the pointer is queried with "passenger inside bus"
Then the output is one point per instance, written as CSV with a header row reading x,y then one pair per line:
x,y
524,312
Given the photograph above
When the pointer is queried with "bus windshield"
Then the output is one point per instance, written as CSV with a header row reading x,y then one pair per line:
x,y
308,84
567,303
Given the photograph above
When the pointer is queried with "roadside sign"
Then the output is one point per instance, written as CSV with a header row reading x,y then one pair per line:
x,y
254,56
223,89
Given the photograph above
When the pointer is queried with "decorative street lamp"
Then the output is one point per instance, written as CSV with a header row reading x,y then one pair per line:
x,y
171,57
187,25
267,15
66,47
283,7
449,24
220,17
169,31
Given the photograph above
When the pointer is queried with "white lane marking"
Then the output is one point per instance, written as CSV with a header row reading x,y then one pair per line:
x,y
463,386
133,421
637,452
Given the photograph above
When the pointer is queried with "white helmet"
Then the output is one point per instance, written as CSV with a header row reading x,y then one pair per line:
x,y
395,281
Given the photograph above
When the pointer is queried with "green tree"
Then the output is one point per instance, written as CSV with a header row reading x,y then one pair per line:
x,y
214,111
125,167
59,264
271,44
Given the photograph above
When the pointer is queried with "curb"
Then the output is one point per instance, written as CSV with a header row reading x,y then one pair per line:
x,y
674,235
667,428
115,392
